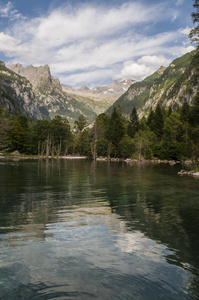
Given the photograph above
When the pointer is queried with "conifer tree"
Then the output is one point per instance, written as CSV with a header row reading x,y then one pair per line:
x,y
185,112
195,111
158,122
150,118
116,129
134,123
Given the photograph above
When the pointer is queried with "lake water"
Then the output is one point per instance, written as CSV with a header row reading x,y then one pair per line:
x,y
75,229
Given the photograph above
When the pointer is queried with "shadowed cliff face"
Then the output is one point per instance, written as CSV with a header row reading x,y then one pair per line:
x,y
17,95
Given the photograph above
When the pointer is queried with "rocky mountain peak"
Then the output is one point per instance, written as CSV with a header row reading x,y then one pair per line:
x,y
36,75
161,70
83,88
2,63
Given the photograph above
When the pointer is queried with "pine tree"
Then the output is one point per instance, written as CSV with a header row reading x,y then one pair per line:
x,y
195,111
185,112
134,123
116,129
150,118
158,122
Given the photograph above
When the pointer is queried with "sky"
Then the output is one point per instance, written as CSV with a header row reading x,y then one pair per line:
x,y
95,42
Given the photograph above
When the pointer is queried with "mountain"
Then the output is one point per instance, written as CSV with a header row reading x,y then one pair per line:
x,y
16,94
99,98
56,99
169,86
51,98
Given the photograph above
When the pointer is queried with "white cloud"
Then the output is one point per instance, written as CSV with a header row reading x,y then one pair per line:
x,y
179,2
90,42
135,71
91,22
78,79
8,43
5,10
184,50
185,31
154,60
8,11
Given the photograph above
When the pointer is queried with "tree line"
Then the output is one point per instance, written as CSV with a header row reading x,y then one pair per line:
x,y
163,134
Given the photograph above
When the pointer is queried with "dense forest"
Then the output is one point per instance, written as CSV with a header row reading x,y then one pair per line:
x,y
163,134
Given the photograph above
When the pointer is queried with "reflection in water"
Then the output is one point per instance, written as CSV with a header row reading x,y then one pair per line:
x,y
85,230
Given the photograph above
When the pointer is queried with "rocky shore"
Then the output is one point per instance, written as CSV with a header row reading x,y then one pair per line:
x,y
192,173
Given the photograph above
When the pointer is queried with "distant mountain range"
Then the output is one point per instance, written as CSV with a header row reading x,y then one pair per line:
x,y
99,98
35,92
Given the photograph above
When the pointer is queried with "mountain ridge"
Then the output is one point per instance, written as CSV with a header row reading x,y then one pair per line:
x,y
169,86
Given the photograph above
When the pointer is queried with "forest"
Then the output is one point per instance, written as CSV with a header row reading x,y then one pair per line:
x,y
164,134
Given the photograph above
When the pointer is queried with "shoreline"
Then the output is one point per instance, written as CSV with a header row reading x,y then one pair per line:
x,y
158,161
40,157
127,160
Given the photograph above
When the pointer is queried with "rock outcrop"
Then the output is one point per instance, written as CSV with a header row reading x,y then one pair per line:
x,y
16,94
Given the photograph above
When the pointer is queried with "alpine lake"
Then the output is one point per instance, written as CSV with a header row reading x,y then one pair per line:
x,y
79,229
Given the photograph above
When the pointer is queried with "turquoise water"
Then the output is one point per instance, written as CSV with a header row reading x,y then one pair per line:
x,y
75,229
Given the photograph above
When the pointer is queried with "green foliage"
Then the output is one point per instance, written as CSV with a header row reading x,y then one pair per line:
x,y
127,146
173,128
82,145
5,128
102,147
102,122
133,126
185,112
144,143
179,138
116,128
157,122
17,137
81,123
169,151
194,118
